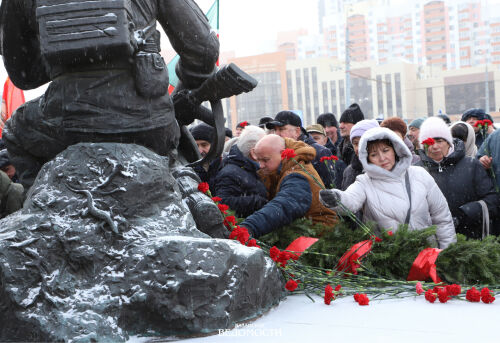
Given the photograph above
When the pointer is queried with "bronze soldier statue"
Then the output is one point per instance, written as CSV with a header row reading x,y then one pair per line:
x,y
109,82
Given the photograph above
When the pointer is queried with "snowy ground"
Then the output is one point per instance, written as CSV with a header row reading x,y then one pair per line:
x,y
297,319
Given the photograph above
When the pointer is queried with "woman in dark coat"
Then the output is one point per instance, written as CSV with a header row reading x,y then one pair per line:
x,y
237,183
462,179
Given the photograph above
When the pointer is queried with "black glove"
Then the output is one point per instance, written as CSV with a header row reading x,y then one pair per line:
x,y
329,198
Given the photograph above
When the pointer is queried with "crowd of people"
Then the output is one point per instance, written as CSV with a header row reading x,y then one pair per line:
x,y
428,172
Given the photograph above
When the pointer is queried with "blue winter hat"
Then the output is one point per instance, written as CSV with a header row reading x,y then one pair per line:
x,y
417,123
479,113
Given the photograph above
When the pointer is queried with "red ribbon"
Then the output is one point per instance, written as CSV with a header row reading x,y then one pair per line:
x,y
424,266
300,245
348,261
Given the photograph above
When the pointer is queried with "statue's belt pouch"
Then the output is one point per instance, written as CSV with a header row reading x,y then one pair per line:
x,y
151,74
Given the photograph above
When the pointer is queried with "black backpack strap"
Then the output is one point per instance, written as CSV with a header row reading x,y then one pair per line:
x,y
408,190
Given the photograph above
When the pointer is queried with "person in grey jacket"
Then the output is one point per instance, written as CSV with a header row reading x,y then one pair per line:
x,y
383,190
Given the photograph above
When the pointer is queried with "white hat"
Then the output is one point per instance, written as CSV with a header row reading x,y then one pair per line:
x,y
435,127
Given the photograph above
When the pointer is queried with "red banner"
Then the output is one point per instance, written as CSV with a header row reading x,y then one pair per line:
x,y
349,261
424,266
300,245
12,98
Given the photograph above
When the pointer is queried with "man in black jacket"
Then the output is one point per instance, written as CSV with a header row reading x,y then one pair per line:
x,y
237,183
329,122
203,135
349,117
471,116
289,125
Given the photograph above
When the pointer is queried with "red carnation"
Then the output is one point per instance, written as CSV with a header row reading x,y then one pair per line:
x,y
361,299
283,257
337,288
216,199
473,295
429,141
274,253
323,159
253,243
291,285
243,124
328,294
436,289
231,219
419,288
479,123
334,158
223,208
390,233
487,122
453,290
241,234
377,239
430,296
203,187
487,296
287,154
443,295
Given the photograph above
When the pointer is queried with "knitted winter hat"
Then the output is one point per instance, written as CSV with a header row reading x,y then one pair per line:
x,y
416,123
327,119
203,132
352,114
229,133
435,127
361,127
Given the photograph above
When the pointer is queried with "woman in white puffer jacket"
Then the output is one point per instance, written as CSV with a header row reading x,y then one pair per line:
x,y
382,192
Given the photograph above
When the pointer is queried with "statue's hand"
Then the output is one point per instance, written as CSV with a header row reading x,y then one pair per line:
x,y
185,107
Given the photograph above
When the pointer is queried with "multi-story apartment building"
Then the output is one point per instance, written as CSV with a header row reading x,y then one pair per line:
x,y
447,34
317,85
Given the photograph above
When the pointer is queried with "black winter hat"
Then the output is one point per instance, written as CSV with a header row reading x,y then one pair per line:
x,y
352,114
264,120
285,118
479,113
327,119
4,159
229,133
203,132
445,118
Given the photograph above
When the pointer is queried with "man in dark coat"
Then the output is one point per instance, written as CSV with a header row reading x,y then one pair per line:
x,y
204,135
289,125
317,132
349,117
237,183
329,122
462,179
471,116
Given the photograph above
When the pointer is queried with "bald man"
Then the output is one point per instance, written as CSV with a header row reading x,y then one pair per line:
x,y
293,192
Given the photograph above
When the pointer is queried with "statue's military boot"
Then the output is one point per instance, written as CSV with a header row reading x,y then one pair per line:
x,y
205,212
